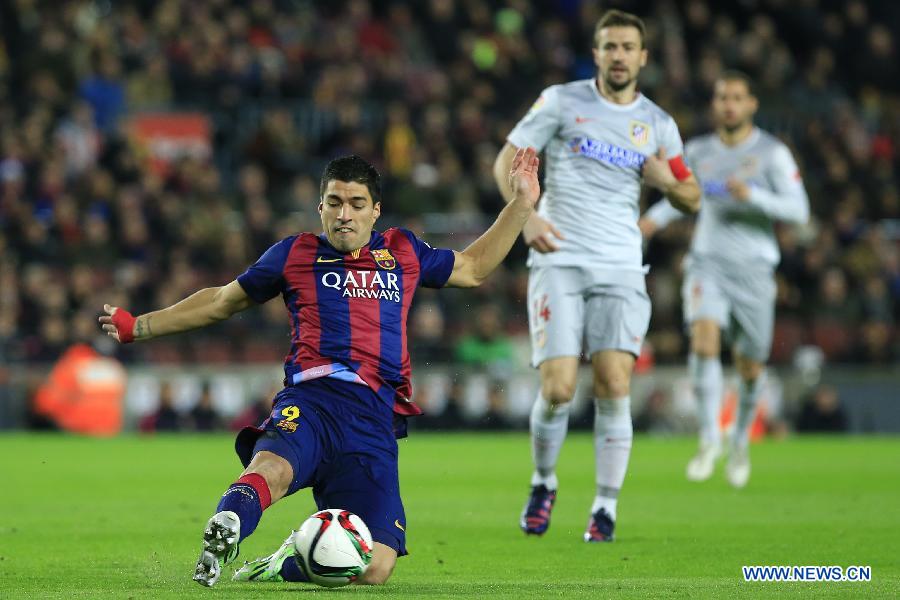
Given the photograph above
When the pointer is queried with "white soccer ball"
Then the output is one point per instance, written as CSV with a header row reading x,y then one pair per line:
x,y
333,547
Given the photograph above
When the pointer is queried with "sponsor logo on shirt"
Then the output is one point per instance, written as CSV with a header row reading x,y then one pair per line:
x,y
608,153
712,187
364,284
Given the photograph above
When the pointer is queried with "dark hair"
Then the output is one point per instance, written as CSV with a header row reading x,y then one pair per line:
x,y
352,168
735,75
618,18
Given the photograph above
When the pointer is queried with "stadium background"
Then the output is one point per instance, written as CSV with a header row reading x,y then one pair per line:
x,y
102,200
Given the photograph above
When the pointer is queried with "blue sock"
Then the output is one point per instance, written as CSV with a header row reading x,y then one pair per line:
x,y
247,497
291,571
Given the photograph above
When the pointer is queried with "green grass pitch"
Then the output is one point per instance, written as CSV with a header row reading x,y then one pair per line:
x,y
121,518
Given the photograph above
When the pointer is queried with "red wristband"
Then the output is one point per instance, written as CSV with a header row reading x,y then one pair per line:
x,y
679,169
124,322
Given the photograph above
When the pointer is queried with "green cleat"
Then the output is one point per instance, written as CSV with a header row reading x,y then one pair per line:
x,y
267,568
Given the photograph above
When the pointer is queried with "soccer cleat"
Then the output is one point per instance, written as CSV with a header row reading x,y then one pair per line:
x,y
737,469
535,518
267,568
700,468
600,527
220,547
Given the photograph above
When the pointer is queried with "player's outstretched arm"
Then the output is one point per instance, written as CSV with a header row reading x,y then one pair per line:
x,y
475,263
680,188
200,309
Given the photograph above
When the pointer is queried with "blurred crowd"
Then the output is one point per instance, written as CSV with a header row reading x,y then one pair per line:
x,y
428,91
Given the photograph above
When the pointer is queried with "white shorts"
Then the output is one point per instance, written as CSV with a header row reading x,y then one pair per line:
x,y
574,310
741,301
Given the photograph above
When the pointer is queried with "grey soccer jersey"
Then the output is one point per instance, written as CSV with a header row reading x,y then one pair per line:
x,y
595,150
733,232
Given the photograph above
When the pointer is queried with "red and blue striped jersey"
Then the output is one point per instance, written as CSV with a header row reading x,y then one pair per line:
x,y
348,311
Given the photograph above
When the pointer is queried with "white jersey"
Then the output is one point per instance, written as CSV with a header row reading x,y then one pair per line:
x,y
595,151
729,231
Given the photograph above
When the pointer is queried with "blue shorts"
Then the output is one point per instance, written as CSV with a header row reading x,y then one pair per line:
x,y
338,437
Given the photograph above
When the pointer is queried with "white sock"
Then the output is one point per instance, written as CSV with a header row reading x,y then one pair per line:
x,y
749,398
607,503
706,379
612,447
549,425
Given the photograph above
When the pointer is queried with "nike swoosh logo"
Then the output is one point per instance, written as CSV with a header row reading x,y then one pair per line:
x,y
399,526
323,259
583,119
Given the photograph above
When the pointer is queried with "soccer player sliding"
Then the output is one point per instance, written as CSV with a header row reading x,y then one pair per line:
x,y
586,290
750,181
347,376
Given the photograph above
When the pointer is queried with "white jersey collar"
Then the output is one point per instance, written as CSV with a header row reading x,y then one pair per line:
x,y
612,105
746,143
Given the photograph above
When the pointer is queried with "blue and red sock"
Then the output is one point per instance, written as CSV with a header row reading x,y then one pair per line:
x,y
247,497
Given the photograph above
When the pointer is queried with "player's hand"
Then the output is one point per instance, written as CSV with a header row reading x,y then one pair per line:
x,y
523,176
738,189
539,233
648,227
657,172
118,324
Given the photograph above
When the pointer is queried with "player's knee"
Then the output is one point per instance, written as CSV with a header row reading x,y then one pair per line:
x,y
749,370
613,386
277,472
705,338
704,350
378,573
705,346
612,380
558,391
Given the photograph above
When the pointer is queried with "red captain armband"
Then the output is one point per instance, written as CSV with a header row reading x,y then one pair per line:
x,y
124,322
679,169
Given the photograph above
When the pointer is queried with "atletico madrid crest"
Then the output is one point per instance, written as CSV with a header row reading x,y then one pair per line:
x,y
384,259
640,133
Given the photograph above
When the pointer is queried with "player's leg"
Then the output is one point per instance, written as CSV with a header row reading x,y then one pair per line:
x,y
361,476
384,558
365,480
555,308
617,321
705,371
239,511
549,419
754,314
282,456
706,310
752,374
612,437
548,425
